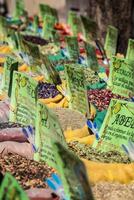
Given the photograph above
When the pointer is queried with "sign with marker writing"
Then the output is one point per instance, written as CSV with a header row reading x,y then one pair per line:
x,y
72,47
75,23
10,65
89,28
111,41
77,93
130,50
48,130
73,174
91,57
23,99
118,126
121,79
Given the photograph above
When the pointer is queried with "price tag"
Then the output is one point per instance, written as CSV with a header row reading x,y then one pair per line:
x,y
19,8
130,50
91,57
118,126
23,99
10,65
90,28
48,130
76,88
121,79
111,41
11,190
72,47
75,23
49,71
73,174
48,26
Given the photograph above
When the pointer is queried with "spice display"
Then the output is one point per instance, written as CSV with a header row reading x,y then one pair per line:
x,y
101,98
27,172
35,40
68,109
87,152
47,90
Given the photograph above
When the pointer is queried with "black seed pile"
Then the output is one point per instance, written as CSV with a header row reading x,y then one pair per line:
x,y
89,153
47,90
36,40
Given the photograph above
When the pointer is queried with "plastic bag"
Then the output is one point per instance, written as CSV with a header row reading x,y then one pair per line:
x,y
4,110
110,172
41,194
22,149
12,134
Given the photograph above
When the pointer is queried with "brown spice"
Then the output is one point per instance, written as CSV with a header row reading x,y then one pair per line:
x,y
28,173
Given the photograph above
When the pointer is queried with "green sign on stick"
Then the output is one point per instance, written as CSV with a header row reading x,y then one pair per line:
x,y
44,10
121,79
111,41
11,190
118,126
75,23
89,28
49,71
77,93
19,8
73,174
130,50
23,99
48,26
72,47
91,57
48,130
10,65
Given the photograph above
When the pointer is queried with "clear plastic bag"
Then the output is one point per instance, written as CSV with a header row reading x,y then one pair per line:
x,y
22,149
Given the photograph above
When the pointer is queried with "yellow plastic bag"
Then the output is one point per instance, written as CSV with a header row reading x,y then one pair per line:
x,y
60,104
122,173
78,133
52,100
23,68
85,140
2,59
5,49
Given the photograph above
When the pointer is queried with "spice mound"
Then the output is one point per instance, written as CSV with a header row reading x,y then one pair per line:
x,y
89,153
35,40
28,173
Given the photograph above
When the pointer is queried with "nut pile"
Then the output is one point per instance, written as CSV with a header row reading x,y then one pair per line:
x,y
89,153
101,98
35,39
27,172
47,90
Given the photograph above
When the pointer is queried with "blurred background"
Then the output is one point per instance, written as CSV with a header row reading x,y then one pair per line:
x,y
104,12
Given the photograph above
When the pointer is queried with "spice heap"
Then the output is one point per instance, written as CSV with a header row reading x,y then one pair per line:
x,y
102,98
35,40
27,172
9,125
47,90
89,153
